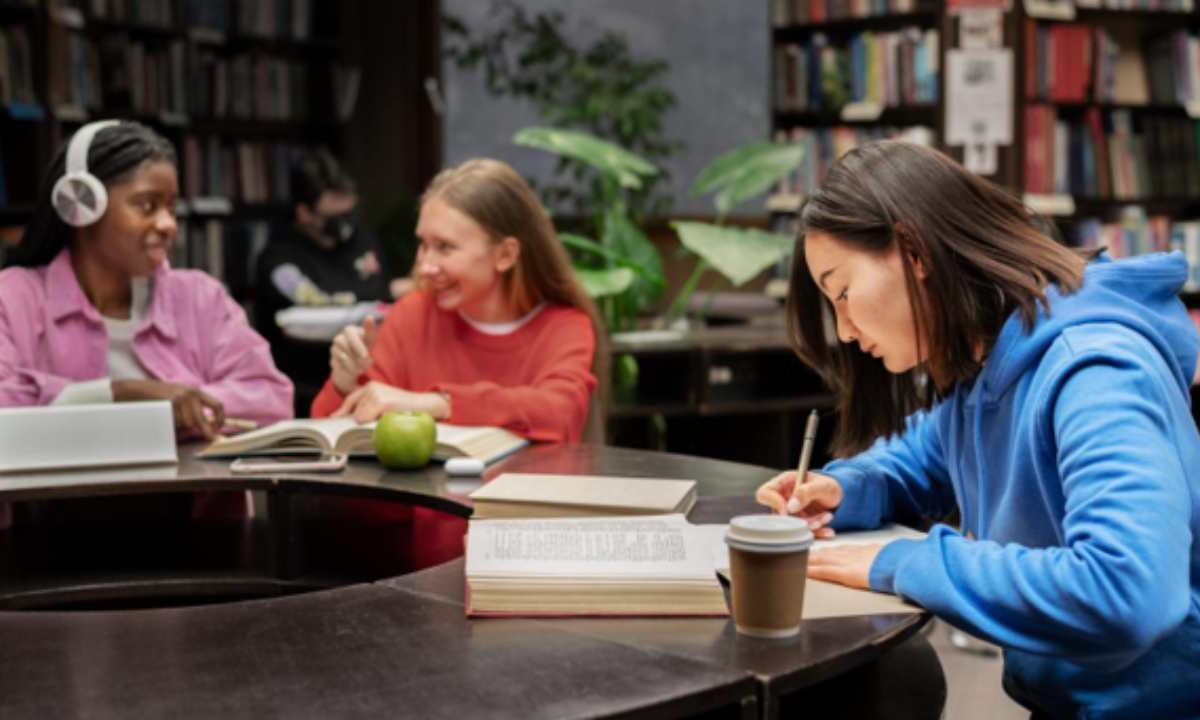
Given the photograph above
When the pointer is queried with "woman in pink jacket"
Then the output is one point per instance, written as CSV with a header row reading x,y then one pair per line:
x,y
90,311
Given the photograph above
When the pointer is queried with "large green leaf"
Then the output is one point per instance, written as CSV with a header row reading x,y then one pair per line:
x,y
718,172
626,239
580,242
737,253
746,171
612,160
608,281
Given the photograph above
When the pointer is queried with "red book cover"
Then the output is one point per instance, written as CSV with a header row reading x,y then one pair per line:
x,y
1031,59
1061,70
1034,149
1100,148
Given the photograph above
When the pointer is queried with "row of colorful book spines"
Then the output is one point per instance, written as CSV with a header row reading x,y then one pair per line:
x,y
807,12
870,67
1070,62
1059,59
248,171
1166,5
280,18
823,146
1110,155
246,87
1153,234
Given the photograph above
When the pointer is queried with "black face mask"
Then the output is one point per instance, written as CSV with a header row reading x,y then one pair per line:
x,y
340,227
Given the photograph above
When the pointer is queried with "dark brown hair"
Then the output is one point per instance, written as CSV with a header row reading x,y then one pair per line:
x,y
985,256
316,172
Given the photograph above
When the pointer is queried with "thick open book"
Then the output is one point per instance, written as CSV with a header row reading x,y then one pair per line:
x,y
651,565
647,565
343,435
542,495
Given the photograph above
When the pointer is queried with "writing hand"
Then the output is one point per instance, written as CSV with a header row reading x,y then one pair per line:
x,y
193,409
812,500
350,354
848,565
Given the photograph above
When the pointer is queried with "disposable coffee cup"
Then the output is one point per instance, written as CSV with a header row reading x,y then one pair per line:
x,y
768,557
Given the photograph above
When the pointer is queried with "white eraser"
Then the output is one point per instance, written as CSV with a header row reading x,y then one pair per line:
x,y
464,466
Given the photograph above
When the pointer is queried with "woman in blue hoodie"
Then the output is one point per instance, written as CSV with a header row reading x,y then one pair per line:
x,y
1040,392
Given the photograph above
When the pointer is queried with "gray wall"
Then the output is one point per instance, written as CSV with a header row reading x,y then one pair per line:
x,y
718,54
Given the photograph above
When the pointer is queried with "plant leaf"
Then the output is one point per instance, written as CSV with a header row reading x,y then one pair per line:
x,y
715,173
612,160
737,253
607,281
626,239
746,171
580,242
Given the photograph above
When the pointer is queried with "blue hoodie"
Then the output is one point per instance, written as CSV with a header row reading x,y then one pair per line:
x,y
1074,463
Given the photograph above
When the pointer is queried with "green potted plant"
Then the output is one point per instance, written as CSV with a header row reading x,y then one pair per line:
x,y
620,267
737,253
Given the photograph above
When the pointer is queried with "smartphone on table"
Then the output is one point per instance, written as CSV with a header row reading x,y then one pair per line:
x,y
326,462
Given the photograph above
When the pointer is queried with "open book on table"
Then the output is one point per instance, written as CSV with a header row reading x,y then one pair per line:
x,y
344,435
645,565
546,495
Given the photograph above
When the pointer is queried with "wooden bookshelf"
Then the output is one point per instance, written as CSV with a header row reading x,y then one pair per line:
x,y
1142,155
809,36
881,22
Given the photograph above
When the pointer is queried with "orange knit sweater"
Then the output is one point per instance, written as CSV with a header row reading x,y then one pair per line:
x,y
536,381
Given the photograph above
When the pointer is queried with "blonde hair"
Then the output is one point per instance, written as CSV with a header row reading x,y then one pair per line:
x,y
492,194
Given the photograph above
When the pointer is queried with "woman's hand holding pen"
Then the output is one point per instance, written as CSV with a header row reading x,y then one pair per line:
x,y
813,500
194,410
350,354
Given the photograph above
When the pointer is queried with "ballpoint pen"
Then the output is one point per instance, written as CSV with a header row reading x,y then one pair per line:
x,y
810,438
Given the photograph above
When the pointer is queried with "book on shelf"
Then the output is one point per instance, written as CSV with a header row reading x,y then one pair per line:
x,y
547,495
1117,154
804,12
823,146
886,69
16,67
640,565
344,435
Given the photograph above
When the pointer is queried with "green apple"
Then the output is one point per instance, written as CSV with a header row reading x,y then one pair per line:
x,y
405,439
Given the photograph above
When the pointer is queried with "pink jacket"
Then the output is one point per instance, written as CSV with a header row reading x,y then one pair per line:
x,y
193,334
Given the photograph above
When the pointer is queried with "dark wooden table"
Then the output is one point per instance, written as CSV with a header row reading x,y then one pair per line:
x,y
403,646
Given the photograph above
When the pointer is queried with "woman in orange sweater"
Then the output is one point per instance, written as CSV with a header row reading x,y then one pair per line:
x,y
499,331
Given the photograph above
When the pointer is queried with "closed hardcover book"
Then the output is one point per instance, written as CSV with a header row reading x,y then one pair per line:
x,y
84,436
344,435
523,495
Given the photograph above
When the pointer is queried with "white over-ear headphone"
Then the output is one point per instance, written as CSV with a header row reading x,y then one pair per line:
x,y
79,197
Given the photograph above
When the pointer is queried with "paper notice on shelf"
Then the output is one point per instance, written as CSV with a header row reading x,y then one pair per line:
x,y
957,7
980,158
979,97
980,29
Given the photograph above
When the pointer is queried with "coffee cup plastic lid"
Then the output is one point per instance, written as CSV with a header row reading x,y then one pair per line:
x,y
769,533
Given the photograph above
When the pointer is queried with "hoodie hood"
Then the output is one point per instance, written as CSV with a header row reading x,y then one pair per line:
x,y
1151,282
